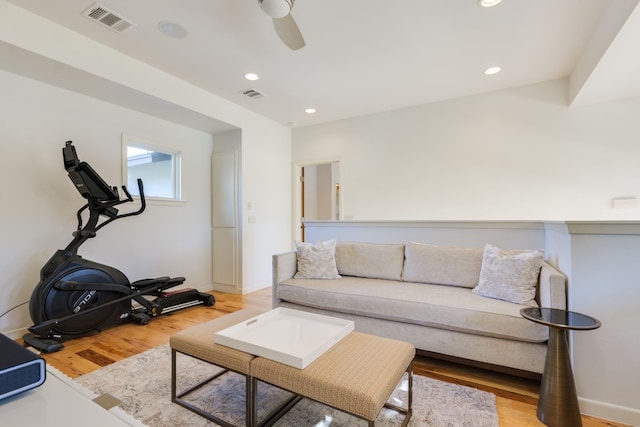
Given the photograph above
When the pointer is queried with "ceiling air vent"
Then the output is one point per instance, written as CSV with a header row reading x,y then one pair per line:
x,y
108,18
252,93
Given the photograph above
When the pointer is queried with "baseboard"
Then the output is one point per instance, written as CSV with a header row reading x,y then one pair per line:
x,y
609,411
221,287
16,333
250,289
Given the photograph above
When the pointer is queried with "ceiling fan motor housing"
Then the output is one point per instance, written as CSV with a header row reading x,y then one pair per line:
x,y
276,8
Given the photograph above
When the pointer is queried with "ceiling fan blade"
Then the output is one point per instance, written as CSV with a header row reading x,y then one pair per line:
x,y
289,33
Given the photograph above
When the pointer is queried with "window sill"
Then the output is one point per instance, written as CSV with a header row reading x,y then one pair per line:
x,y
156,201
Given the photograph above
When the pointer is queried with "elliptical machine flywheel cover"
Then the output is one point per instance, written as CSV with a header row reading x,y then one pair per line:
x,y
60,303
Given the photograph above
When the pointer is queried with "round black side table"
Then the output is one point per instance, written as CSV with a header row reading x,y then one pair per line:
x,y
558,400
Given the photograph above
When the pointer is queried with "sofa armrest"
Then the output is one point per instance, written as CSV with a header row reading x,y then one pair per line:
x,y
552,288
284,267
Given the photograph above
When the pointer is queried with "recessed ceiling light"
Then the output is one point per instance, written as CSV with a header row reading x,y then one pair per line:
x,y
492,70
488,3
172,30
310,110
251,76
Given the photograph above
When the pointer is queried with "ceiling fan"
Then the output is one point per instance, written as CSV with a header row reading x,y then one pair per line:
x,y
283,22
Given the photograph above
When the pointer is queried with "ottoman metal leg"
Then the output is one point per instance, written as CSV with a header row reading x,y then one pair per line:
x,y
408,410
275,414
177,397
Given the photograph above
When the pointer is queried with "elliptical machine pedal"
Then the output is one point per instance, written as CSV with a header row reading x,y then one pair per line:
x,y
140,318
43,344
77,297
182,298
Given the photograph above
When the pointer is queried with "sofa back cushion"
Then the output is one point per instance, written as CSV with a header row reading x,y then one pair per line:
x,y
372,260
442,265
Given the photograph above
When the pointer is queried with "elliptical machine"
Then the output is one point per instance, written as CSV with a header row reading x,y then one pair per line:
x,y
77,297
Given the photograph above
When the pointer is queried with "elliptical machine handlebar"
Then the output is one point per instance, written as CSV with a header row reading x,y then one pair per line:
x,y
143,203
107,210
113,213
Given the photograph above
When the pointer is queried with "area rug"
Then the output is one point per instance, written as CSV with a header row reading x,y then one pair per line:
x,y
142,384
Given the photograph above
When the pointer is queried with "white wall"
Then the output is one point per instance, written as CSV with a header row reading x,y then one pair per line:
x,y
471,234
600,261
40,202
516,154
266,186
606,274
38,48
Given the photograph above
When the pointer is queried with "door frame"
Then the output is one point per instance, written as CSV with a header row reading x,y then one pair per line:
x,y
297,192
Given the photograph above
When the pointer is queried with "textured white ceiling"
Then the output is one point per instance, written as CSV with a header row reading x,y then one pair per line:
x,y
365,56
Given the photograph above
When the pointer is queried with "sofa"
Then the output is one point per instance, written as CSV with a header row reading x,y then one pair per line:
x,y
460,304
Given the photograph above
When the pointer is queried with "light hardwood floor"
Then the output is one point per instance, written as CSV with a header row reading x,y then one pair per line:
x,y
516,397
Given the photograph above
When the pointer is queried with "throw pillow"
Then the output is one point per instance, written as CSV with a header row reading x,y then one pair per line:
x,y
509,275
316,261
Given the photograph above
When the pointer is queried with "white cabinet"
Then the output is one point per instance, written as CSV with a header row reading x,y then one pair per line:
x,y
225,221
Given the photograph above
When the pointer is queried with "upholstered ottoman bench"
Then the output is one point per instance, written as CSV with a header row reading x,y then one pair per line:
x,y
357,375
198,342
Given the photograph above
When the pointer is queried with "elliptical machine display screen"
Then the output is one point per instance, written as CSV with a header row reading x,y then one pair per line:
x,y
86,180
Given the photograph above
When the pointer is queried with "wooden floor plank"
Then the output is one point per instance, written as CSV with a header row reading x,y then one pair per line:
x,y
516,397
95,357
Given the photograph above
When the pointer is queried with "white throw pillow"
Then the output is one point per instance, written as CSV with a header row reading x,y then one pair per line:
x,y
510,275
317,261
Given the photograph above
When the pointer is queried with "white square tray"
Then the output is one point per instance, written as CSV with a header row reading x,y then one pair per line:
x,y
292,337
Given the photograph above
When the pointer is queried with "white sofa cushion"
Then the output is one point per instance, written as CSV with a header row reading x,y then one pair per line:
x,y
372,260
442,265
510,275
446,307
